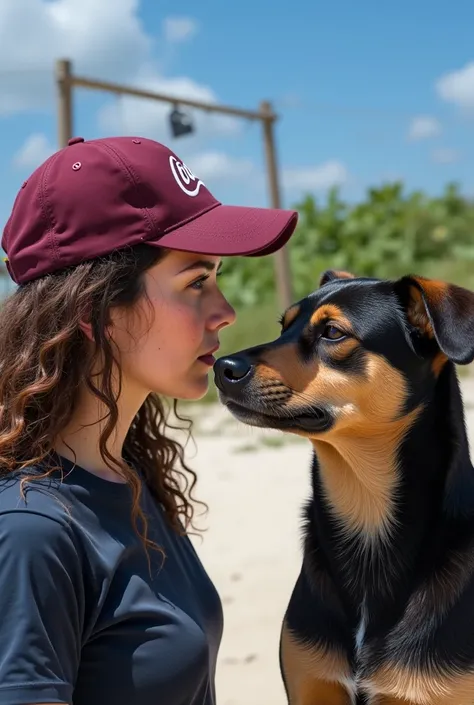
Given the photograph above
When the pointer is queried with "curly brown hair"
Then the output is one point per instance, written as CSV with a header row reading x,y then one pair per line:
x,y
45,358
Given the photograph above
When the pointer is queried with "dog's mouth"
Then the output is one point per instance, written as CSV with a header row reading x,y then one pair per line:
x,y
315,421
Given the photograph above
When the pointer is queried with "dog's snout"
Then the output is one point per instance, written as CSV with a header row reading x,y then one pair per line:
x,y
231,371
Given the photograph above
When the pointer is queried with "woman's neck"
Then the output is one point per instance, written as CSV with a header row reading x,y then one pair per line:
x,y
79,441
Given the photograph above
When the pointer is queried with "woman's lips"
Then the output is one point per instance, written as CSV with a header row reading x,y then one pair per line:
x,y
208,358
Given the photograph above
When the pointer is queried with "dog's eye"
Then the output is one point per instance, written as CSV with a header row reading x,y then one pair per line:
x,y
332,333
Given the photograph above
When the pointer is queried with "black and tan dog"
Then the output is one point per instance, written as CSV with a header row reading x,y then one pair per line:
x,y
383,609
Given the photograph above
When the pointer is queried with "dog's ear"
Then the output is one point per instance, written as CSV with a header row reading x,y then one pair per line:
x,y
440,311
330,274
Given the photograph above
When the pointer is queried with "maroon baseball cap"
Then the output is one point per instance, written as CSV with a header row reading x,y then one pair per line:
x,y
97,196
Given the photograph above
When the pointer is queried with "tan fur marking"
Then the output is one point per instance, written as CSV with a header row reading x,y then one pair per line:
x,y
344,348
341,274
290,315
438,363
332,313
360,477
358,456
284,362
334,274
416,313
434,291
266,373
423,687
314,675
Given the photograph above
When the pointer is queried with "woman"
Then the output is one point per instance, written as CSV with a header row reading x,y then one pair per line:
x,y
115,246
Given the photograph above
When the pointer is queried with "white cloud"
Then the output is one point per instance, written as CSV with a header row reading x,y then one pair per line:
x,y
34,33
213,166
104,39
316,178
423,127
445,155
179,29
33,152
458,87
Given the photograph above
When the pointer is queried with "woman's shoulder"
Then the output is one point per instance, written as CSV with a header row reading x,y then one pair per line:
x,y
35,507
70,508
35,525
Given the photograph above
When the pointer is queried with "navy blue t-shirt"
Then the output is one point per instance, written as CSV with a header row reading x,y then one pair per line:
x,y
83,619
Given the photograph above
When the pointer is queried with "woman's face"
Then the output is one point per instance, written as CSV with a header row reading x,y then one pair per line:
x,y
165,343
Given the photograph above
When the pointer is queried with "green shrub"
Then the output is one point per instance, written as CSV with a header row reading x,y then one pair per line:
x,y
388,234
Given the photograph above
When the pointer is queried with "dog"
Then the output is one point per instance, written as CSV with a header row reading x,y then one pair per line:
x,y
382,611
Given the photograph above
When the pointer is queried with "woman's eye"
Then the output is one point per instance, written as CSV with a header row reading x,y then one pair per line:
x,y
199,283
332,333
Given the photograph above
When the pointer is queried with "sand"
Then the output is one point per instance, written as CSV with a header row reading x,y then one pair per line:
x,y
255,483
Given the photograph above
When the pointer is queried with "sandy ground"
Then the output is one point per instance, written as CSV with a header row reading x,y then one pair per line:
x,y
254,483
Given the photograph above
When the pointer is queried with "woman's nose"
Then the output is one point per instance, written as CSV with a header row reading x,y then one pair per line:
x,y
224,316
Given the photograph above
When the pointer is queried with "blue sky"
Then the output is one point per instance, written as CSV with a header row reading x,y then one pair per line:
x,y
365,93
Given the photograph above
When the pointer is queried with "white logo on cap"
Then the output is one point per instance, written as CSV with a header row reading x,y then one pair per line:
x,y
185,178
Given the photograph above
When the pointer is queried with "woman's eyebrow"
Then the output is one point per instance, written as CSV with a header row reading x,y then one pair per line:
x,y
207,264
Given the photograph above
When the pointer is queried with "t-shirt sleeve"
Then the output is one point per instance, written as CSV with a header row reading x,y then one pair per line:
x,y
41,609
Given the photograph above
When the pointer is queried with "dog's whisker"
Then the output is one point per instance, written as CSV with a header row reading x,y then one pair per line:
x,y
289,412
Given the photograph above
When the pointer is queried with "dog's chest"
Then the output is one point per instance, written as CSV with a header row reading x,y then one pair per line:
x,y
366,651
382,668
370,643
359,637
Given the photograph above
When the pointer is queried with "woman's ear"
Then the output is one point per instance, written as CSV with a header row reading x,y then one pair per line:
x,y
87,330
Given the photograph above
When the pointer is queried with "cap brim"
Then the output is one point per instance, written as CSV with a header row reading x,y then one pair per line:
x,y
233,230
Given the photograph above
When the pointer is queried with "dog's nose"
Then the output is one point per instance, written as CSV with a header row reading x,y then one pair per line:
x,y
230,372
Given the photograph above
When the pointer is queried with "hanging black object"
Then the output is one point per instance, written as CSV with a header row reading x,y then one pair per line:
x,y
181,122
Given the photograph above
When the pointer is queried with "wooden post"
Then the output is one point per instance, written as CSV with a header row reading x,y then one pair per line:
x,y
282,260
64,84
66,81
